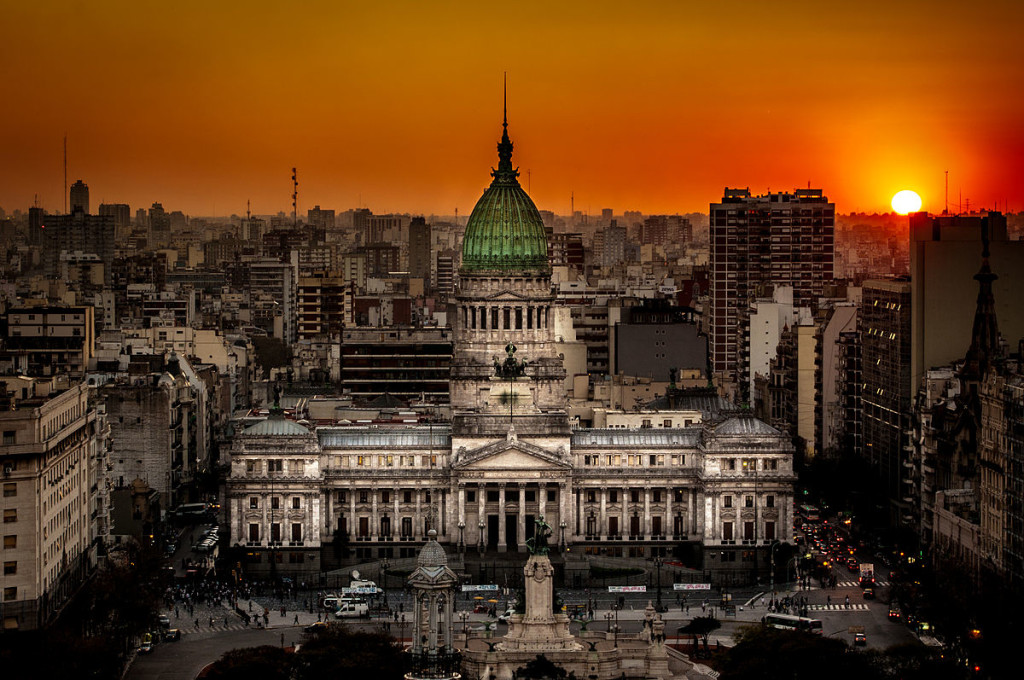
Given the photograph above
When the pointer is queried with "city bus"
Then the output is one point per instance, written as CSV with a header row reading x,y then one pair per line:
x,y
810,513
787,622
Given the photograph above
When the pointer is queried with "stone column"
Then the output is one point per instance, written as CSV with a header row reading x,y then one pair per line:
x,y
448,612
624,524
396,521
417,524
502,546
668,523
328,505
542,500
462,503
417,624
646,526
432,618
481,495
352,528
374,517
521,533
564,510
602,520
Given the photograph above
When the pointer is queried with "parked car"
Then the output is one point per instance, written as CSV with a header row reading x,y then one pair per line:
x,y
506,615
165,621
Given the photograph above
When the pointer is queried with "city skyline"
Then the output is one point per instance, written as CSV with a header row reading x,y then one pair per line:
x,y
203,109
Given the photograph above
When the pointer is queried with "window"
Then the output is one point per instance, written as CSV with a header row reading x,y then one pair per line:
x,y
275,503
667,423
275,465
10,542
342,496
591,496
769,501
254,502
531,496
364,497
726,501
10,593
646,422
511,495
551,495
748,502
727,531
769,531
748,531
10,516
9,437
407,497
296,532
634,495
275,532
470,496
385,496
250,467
730,463
296,502
254,533
657,495
10,489
492,496
613,496
10,568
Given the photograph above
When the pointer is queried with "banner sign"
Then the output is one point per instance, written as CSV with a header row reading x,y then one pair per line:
x,y
362,590
627,589
691,586
487,586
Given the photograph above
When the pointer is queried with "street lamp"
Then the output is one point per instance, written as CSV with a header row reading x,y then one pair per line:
x,y
657,564
775,545
561,525
464,615
384,565
608,617
481,544
615,608
462,528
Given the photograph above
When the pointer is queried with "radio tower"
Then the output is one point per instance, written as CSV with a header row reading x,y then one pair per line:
x,y
295,200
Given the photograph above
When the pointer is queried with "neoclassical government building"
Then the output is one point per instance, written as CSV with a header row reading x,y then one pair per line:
x,y
688,470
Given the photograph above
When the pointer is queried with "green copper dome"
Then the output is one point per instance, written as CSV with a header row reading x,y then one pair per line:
x,y
505,231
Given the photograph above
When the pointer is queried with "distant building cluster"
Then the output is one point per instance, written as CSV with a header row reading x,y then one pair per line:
x,y
344,383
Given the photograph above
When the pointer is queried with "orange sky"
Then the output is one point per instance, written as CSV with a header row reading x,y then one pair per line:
x,y
652,106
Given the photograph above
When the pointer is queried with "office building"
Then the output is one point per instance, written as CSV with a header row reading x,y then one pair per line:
x,y
777,238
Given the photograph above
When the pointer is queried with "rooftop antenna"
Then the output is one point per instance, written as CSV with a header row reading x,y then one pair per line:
x,y
65,173
572,206
504,95
528,190
456,216
248,210
295,199
945,210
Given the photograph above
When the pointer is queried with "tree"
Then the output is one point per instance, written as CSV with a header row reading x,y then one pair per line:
x,y
262,663
701,627
339,653
770,654
542,668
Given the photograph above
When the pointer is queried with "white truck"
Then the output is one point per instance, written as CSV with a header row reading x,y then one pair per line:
x,y
867,575
350,607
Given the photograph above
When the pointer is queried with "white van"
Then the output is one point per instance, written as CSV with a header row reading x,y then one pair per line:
x,y
351,607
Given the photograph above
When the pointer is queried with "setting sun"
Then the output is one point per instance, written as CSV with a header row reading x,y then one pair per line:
x,y
906,201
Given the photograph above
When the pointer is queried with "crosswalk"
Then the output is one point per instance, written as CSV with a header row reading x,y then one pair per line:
x,y
859,607
850,584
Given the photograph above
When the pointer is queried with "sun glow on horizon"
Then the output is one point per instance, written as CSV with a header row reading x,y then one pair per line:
x,y
906,202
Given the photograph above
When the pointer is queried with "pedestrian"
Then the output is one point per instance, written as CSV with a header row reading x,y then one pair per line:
x,y
211,622
830,600
175,612
296,619
847,601
197,623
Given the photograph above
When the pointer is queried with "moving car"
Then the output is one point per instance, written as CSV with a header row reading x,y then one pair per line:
x,y
172,635
860,639
316,627
146,648
895,614
165,621
869,593
507,615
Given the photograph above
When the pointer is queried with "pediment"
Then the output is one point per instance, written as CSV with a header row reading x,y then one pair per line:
x,y
509,295
512,455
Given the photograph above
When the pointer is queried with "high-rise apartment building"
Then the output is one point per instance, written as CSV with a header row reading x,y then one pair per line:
x,y
419,249
778,238
885,394
120,214
55,501
79,197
